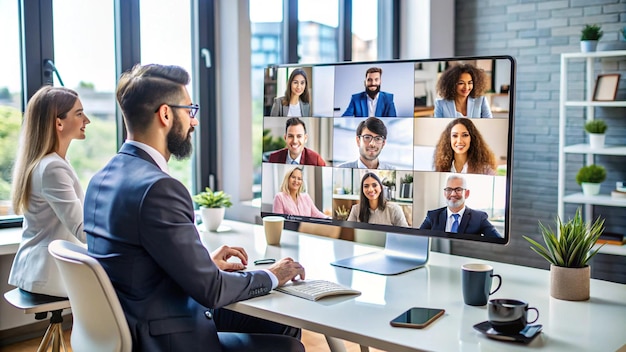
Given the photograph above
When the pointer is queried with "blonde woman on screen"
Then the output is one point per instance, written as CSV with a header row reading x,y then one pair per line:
x,y
45,187
292,200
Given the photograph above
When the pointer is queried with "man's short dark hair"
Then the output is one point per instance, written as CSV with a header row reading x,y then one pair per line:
x,y
373,70
373,124
142,89
294,121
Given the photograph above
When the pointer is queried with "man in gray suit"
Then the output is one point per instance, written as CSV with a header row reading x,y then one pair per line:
x,y
140,226
371,136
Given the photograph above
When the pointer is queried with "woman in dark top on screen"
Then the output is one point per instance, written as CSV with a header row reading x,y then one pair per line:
x,y
461,88
296,101
462,149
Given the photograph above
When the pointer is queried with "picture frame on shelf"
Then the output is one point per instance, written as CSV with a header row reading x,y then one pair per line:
x,y
606,87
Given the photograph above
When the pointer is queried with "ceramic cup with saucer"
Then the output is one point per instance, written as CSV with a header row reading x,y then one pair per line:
x,y
509,316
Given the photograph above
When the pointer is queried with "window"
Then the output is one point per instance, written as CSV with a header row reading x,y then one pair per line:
x,y
166,39
318,22
266,26
85,60
10,101
364,30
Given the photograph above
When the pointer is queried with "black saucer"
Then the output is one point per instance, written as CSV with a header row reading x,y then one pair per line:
x,y
524,336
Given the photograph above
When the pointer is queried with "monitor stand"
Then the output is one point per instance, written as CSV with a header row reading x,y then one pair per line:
x,y
402,253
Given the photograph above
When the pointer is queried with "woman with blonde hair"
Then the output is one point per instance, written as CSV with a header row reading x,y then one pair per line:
x,y
292,200
45,187
462,149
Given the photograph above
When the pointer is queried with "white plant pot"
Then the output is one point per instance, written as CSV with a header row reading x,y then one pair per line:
x,y
587,46
212,217
596,140
591,189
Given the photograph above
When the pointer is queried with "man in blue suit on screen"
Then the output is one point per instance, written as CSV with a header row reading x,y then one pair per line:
x,y
456,217
140,226
371,102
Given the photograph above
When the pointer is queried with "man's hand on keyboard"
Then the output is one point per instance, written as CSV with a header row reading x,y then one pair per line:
x,y
287,269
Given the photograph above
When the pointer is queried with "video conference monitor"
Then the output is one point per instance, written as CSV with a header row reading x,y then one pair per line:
x,y
411,149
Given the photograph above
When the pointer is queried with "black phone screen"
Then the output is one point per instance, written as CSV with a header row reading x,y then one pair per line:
x,y
417,317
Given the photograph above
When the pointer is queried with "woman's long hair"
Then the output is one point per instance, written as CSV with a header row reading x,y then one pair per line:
x,y
304,97
38,137
446,86
480,157
364,206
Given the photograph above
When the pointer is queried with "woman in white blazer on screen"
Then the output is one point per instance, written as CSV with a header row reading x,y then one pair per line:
x,y
461,88
45,187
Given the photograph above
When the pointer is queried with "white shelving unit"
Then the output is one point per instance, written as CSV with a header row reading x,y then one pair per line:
x,y
590,73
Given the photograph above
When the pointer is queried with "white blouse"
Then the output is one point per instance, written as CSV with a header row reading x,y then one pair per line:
x,y
55,211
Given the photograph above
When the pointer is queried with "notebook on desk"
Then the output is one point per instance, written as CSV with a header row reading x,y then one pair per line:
x,y
316,289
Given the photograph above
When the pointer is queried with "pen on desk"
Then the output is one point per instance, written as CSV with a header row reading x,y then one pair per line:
x,y
264,261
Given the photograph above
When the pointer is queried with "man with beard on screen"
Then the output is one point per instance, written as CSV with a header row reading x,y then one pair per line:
x,y
140,227
456,217
371,102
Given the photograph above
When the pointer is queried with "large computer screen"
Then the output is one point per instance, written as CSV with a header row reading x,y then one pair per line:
x,y
411,147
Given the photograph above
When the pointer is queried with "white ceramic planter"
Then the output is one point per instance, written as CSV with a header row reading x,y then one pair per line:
x,y
212,217
596,140
587,46
590,189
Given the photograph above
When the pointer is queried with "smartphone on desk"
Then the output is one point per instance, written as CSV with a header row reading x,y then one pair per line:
x,y
417,317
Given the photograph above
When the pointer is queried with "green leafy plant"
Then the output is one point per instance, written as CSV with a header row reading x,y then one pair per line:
x,y
573,247
596,126
591,174
211,199
408,178
591,32
271,143
391,184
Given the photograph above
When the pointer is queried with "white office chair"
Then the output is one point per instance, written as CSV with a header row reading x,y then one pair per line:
x,y
99,322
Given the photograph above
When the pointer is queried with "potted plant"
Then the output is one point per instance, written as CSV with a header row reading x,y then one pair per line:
x,y
590,34
590,177
596,130
406,186
212,207
568,253
389,188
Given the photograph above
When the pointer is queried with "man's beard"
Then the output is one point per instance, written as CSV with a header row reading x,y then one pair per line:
x,y
372,93
179,145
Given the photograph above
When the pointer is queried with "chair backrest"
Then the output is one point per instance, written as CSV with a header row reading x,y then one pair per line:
x,y
99,321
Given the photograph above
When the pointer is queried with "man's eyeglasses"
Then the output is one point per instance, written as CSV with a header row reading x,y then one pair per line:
x,y
193,109
367,138
457,190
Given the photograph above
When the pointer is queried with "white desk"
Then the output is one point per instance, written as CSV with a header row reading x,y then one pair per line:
x,y
597,324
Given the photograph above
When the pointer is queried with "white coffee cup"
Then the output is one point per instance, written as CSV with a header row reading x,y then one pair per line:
x,y
273,226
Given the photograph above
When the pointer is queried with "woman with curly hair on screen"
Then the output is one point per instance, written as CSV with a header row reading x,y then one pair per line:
x,y
461,89
462,149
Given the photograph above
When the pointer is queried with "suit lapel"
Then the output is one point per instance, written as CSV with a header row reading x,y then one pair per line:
x,y
363,103
471,105
380,105
442,219
132,150
465,220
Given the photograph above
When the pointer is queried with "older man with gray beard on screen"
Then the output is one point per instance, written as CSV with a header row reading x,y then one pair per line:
x,y
456,217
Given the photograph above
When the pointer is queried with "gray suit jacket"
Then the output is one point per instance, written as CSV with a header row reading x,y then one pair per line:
x,y
278,109
476,107
140,226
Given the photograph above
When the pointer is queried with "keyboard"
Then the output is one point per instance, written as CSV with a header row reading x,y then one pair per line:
x,y
316,289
